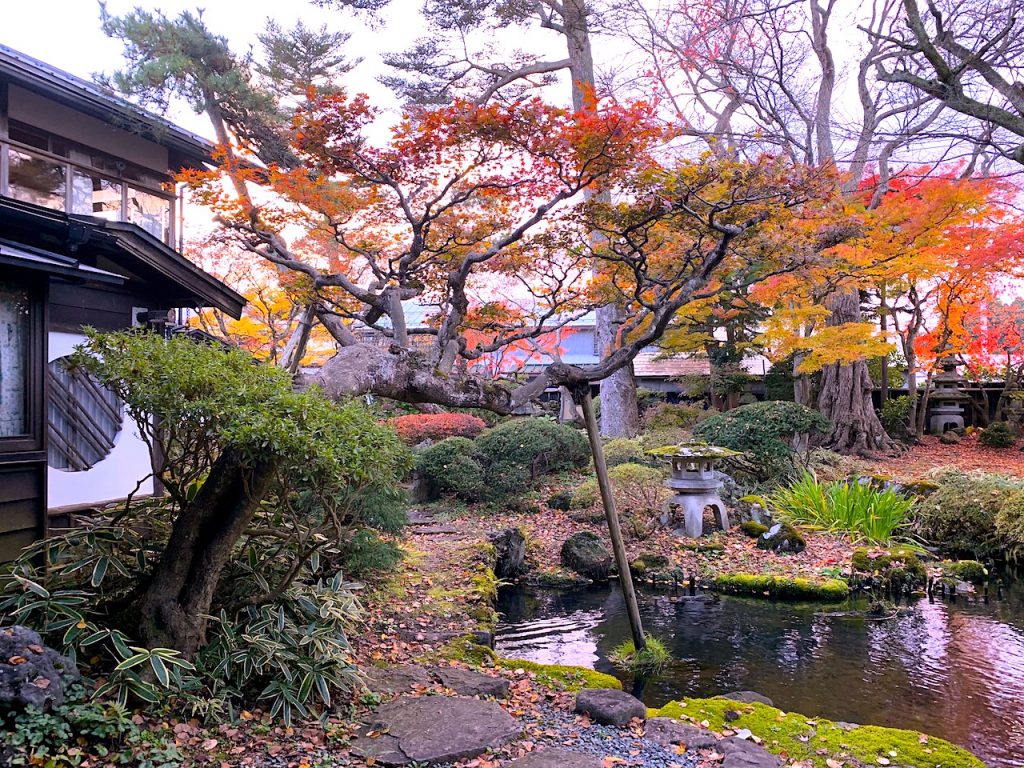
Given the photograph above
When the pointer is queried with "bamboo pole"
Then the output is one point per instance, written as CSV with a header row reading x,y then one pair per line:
x,y
614,531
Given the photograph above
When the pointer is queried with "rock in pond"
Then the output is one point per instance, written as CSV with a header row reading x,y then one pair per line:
x,y
556,758
672,733
32,675
782,537
510,552
433,729
609,707
585,554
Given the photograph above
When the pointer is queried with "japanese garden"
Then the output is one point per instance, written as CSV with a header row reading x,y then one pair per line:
x,y
576,383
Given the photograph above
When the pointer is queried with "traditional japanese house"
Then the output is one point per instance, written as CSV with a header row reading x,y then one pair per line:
x,y
87,229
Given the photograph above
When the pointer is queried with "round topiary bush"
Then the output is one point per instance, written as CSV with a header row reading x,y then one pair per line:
x,y
959,517
414,428
998,435
625,450
767,433
452,466
521,450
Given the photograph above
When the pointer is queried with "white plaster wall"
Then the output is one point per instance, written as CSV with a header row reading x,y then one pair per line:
x,y
112,478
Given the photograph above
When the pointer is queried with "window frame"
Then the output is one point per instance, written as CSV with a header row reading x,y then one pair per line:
x,y
6,144
34,440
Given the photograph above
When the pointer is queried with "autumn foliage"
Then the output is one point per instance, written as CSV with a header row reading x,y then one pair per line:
x,y
414,428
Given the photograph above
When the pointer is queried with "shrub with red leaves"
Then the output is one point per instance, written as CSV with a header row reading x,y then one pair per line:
x,y
416,427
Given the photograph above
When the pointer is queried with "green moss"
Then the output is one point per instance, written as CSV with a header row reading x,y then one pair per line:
x,y
753,529
561,676
697,545
463,649
816,740
965,570
557,579
784,587
898,567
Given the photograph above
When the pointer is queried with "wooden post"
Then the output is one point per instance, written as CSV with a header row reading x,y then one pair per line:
x,y
614,531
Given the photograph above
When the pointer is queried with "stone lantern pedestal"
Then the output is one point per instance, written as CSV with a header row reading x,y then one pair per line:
x,y
946,402
693,484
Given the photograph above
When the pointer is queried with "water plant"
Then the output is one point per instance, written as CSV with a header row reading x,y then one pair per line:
x,y
648,661
867,513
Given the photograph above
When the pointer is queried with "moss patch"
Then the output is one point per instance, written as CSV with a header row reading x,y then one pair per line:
x,y
753,529
562,677
816,740
783,587
463,649
965,570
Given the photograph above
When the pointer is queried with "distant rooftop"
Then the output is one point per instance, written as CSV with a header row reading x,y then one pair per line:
x,y
88,97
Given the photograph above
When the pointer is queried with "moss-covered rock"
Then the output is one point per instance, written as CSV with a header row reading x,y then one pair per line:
x,y
817,741
753,529
965,570
562,677
782,537
649,562
782,587
585,554
895,568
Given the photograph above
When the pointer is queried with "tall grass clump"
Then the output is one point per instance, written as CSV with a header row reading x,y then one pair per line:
x,y
867,513
651,660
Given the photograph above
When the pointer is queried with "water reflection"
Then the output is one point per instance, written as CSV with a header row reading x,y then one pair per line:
x,y
952,670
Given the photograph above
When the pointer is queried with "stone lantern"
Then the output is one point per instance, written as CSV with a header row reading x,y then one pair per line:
x,y
693,483
946,399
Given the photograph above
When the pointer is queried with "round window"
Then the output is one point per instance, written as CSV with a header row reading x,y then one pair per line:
x,y
83,416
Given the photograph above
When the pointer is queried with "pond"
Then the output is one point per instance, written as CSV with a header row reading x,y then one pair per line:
x,y
953,670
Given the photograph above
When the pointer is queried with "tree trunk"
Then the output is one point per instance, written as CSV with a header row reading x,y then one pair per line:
x,y
845,397
177,601
620,415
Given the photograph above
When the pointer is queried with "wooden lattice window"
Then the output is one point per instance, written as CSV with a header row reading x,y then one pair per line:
x,y
84,418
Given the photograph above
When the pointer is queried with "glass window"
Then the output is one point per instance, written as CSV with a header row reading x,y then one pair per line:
x,y
149,211
95,196
14,340
36,180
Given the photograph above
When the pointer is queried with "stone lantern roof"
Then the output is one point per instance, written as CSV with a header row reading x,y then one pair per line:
x,y
694,450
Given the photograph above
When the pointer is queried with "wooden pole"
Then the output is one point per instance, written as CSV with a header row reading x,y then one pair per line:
x,y
614,531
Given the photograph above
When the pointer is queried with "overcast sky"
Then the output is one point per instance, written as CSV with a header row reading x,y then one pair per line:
x,y
66,33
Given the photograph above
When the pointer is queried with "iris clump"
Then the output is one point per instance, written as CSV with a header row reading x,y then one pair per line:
x,y
650,660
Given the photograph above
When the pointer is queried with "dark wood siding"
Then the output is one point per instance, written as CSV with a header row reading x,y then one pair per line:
x,y
106,309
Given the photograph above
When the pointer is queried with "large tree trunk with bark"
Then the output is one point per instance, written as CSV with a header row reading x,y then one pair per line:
x,y
174,607
845,397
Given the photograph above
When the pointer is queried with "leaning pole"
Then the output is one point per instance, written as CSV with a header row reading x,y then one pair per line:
x,y
582,395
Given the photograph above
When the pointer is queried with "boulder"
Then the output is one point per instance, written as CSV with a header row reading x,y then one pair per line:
x,y
556,758
949,438
782,537
742,753
608,706
673,733
510,552
465,682
747,697
433,729
585,554
32,675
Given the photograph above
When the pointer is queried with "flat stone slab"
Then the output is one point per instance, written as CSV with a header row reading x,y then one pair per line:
x,y
747,697
671,733
556,758
396,679
468,683
741,753
433,729
609,707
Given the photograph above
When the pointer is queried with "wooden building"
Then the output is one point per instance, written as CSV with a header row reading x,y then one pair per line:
x,y
87,227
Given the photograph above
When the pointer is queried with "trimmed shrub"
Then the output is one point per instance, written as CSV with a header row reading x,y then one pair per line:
x,y
625,450
672,416
959,517
1010,526
585,495
414,428
998,435
453,466
637,487
895,417
766,433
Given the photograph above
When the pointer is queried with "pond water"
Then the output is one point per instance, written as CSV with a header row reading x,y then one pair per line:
x,y
953,670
